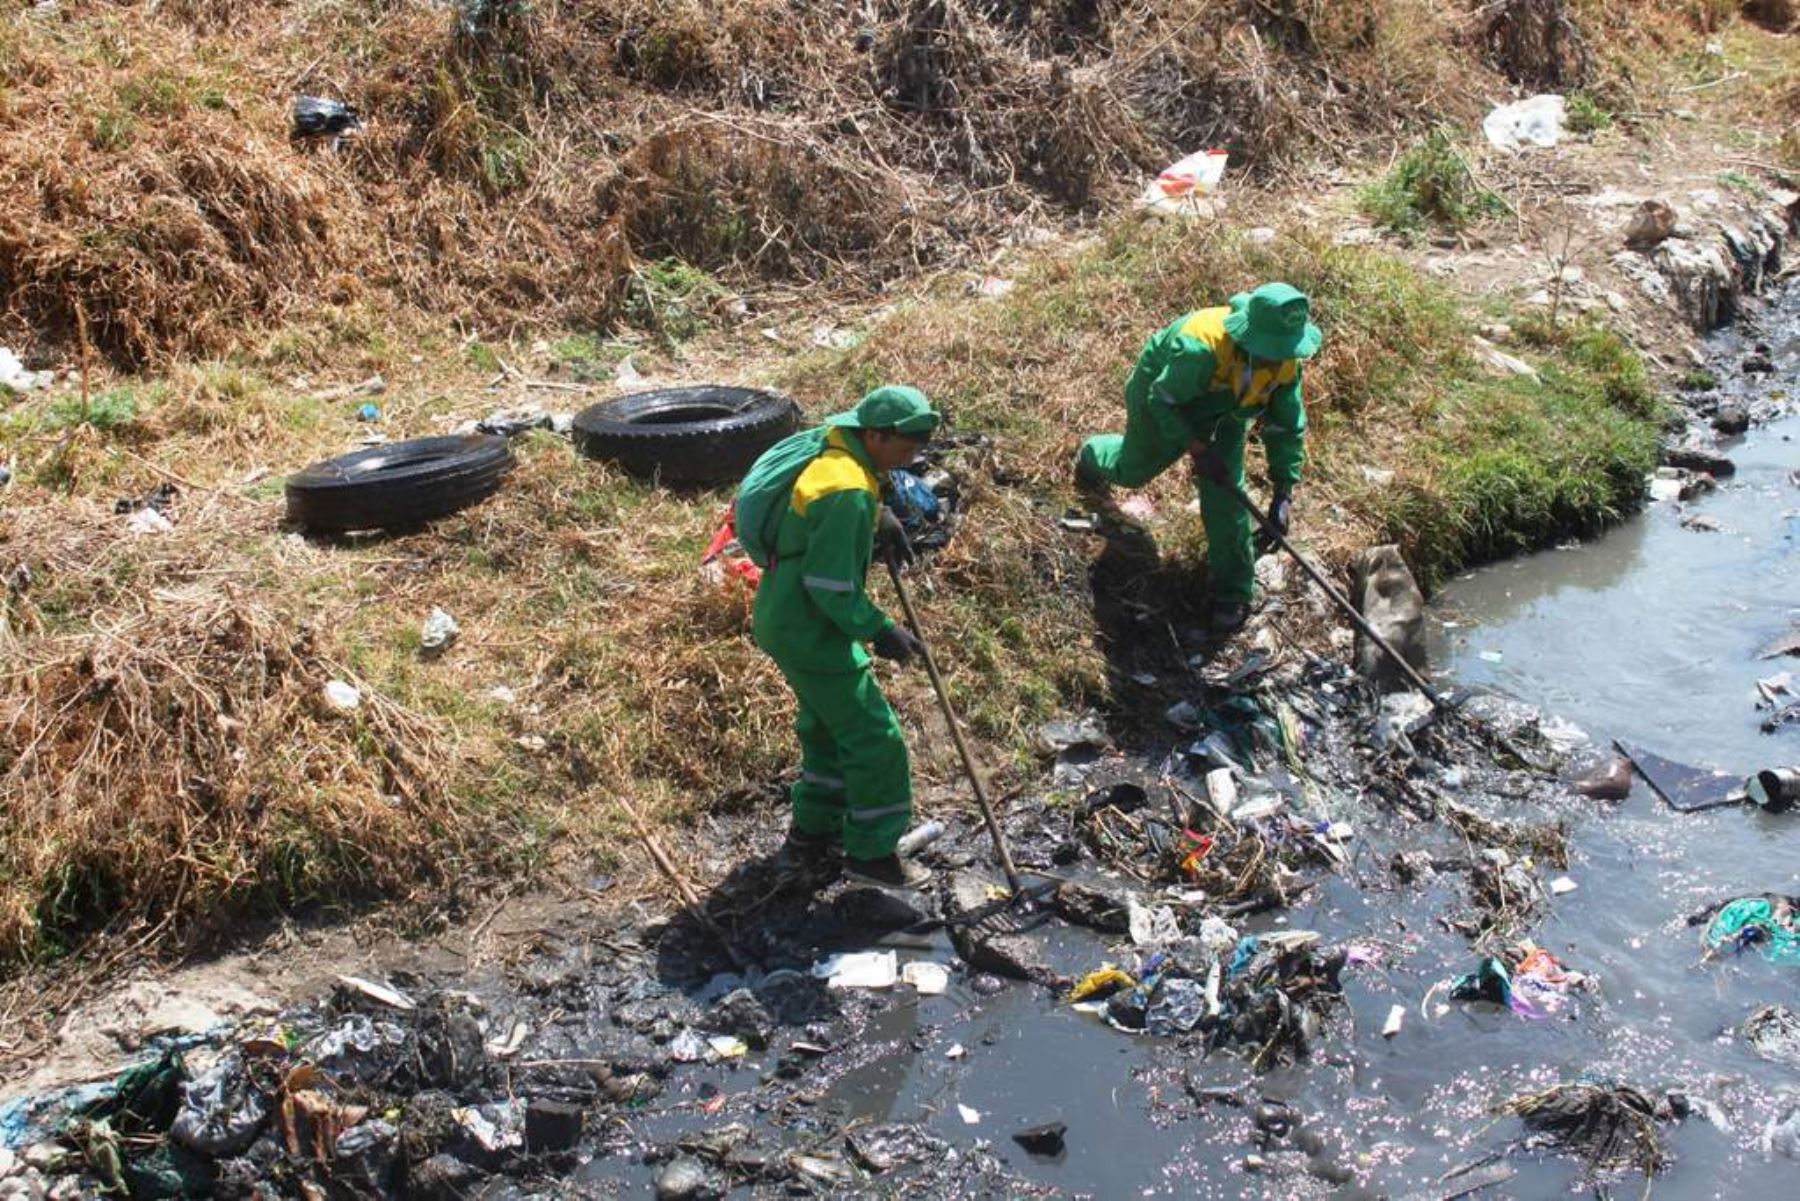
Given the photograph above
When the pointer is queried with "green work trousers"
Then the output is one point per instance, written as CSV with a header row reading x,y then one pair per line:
x,y
1144,452
855,780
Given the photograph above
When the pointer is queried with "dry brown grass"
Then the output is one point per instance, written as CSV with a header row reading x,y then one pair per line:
x,y
509,173
174,751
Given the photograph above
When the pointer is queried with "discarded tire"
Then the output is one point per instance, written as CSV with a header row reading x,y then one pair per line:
x,y
686,435
397,485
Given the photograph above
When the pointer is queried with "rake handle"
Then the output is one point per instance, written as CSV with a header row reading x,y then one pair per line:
x,y
1340,600
956,735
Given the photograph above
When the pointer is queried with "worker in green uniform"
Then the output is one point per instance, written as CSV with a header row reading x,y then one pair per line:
x,y
1197,387
813,615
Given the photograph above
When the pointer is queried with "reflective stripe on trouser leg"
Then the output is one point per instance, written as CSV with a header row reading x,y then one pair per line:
x,y
818,795
870,757
1230,550
1138,456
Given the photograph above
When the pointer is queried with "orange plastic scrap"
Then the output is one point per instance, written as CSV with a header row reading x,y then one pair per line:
x,y
1195,850
1542,964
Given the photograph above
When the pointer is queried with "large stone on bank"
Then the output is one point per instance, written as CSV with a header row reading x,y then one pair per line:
x,y
1385,593
1699,458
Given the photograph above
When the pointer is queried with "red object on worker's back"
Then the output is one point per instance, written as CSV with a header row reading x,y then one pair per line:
x,y
726,559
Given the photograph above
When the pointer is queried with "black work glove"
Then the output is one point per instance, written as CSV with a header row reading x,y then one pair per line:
x,y
899,644
1280,513
1209,466
891,542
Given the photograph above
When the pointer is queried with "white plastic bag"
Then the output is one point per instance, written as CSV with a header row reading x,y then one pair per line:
x,y
1183,188
1535,122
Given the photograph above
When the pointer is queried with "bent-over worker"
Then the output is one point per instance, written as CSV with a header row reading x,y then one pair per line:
x,y
1197,387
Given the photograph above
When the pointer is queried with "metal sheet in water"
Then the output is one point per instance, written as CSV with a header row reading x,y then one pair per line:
x,y
1686,789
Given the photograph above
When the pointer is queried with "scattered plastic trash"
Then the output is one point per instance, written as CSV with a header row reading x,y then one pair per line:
x,y
221,1111
393,998
1537,121
725,561
992,287
1396,1018
1771,924
1101,983
688,1047
1176,1007
956,1051
1183,715
1563,886
1184,188
922,512
1152,927
928,979
860,969
439,632
970,1117
317,116
726,1046
369,411
510,422
494,1128
1138,508
1492,657
148,522
1527,980
503,694
1773,1032
918,838
15,377
341,696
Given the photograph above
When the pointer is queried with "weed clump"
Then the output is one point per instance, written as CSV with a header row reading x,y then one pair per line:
x,y
1430,185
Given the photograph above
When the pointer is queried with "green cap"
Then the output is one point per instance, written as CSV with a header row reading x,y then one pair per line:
x,y
1271,323
895,407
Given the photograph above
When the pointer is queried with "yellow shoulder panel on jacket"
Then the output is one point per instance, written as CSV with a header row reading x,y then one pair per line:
x,y
1208,326
832,472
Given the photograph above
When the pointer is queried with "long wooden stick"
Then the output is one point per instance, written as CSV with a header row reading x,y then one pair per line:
x,y
667,866
1343,602
962,747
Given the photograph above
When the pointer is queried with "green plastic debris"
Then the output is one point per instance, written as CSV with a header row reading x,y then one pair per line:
x,y
1768,924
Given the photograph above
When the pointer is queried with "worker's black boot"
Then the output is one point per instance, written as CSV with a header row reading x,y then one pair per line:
x,y
890,871
1228,617
812,854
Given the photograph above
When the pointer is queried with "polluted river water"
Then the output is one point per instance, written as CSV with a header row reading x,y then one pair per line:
x,y
1647,633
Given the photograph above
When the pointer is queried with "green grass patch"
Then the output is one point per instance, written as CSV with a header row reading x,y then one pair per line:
x,y
671,299
104,411
1431,185
1584,114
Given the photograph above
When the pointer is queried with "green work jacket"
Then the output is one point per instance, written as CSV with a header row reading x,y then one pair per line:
x,y
813,611
1192,376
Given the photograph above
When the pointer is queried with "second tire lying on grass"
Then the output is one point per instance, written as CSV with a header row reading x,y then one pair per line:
x,y
397,485
686,435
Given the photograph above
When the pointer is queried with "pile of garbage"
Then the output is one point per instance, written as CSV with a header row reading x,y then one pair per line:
x,y
1524,978
1770,924
1610,1126
1269,995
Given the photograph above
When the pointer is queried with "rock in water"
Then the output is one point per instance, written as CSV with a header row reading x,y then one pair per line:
x,y
1389,598
1043,1140
1611,781
1731,419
